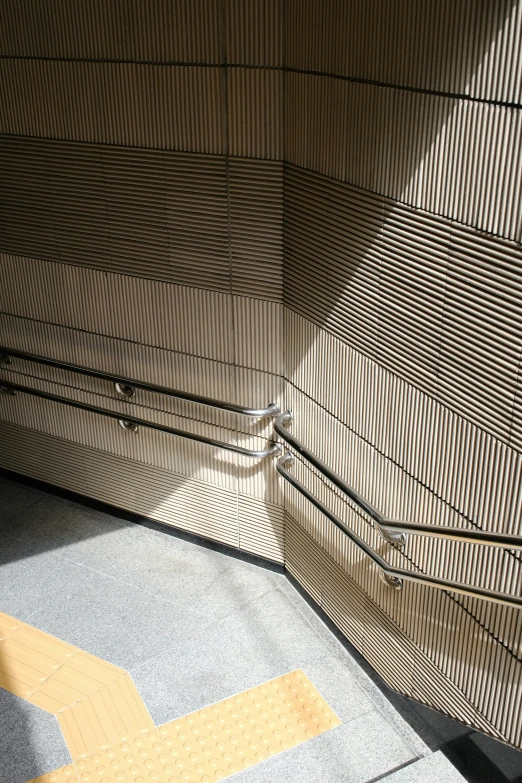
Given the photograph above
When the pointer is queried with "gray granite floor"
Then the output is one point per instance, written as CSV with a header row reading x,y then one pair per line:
x,y
192,626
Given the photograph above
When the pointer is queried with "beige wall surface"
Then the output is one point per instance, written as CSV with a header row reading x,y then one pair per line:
x,y
313,202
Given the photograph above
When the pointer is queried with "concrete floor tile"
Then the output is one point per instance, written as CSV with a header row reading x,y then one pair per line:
x,y
28,579
31,742
63,526
115,621
337,686
401,726
168,565
264,639
207,582
15,498
435,767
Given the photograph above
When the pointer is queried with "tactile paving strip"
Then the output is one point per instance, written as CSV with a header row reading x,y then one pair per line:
x,y
111,736
216,742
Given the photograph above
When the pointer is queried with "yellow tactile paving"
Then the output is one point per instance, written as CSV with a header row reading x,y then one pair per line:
x,y
80,677
113,714
28,657
111,736
46,671
7,625
220,740
63,775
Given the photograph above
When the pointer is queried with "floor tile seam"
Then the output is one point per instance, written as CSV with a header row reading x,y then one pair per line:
x,y
195,631
398,768
121,581
326,639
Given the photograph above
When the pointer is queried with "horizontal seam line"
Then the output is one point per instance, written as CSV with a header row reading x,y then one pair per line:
x,y
276,68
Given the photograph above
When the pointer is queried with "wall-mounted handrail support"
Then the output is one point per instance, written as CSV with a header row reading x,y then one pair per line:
x,y
280,426
131,423
392,575
126,386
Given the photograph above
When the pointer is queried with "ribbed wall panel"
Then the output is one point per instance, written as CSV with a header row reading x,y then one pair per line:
x,y
392,653
254,32
454,157
470,470
257,332
163,106
256,228
178,318
255,112
433,301
160,30
206,463
176,500
467,48
261,528
150,213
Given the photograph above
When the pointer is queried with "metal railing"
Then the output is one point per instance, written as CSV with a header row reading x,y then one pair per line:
x,y
393,531
280,427
132,423
126,386
392,575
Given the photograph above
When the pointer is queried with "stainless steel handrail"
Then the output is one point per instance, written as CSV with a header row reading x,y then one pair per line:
x,y
482,537
280,427
394,530
392,575
131,423
127,385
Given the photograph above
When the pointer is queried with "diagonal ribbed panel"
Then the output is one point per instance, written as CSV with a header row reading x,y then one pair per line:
x,y
414,292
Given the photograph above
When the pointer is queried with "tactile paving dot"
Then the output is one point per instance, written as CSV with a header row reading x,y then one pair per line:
x,y
220,740
63,775
141,759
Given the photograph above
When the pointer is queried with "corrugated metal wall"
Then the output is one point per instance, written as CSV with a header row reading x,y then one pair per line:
x,y
311,202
